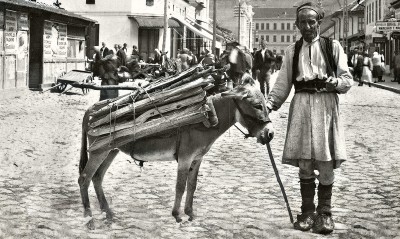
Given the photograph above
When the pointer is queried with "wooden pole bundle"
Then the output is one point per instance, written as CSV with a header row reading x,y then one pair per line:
x,y
135,132
153,100
164,105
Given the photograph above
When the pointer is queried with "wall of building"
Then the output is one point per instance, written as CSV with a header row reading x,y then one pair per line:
x,y
278,46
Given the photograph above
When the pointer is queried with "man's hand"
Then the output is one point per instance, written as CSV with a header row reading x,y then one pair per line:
x,y
267,134
331,83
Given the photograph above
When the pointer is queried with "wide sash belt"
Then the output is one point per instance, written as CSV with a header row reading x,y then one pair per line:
x,y
312,86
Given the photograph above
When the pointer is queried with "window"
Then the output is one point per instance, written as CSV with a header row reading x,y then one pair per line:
x,y
294,38
360,27
90,1
149,2
267,26
294,26
372,12
262,37
282,38
262,26
256,39
379,10
287,38
274,51
376,11
288,26
282,52
267,38
275,26
274,39
257,26
282,26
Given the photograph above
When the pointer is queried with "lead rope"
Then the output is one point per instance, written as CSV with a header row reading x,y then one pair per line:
x,y
140,165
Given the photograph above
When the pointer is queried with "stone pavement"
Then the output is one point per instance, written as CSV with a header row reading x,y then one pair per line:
x,y
237,195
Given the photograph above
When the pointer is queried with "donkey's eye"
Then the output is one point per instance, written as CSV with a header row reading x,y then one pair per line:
x,y
258,106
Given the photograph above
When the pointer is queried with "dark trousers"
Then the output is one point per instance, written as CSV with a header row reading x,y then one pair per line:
x,y
263,78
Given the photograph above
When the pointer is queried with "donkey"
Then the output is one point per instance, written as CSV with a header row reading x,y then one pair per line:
x,y
244,104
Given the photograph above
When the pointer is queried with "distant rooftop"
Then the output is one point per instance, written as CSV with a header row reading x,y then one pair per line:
x,y
274,13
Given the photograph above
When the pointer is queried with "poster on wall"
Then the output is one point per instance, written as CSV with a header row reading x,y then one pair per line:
x,y
23,22
62,40
11,20
10,41
54,40
47,52
22,51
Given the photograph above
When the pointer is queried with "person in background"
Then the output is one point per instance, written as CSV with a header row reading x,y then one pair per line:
x,y
103,50
396,66
194,59
185,59
157,57
125,48
377,67
366,69
135,53
315,132
121,56
263,61
358,62
202,55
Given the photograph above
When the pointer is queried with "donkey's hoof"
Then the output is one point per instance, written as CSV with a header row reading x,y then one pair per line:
x,y
190,214
109,215
191,218
90,224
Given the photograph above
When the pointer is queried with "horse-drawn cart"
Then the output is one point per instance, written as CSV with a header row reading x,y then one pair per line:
x,y
74,78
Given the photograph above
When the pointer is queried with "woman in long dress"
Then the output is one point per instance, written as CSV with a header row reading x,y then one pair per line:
x,y
376,67
366,71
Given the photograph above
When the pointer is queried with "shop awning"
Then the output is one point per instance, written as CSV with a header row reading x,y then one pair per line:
x,y
153,21
194,29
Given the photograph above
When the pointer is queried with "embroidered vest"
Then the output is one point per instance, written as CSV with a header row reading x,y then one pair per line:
x,y
327,52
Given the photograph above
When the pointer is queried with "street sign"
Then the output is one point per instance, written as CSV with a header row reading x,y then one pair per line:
x,y
387,26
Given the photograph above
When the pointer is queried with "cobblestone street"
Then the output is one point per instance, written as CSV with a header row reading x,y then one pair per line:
x,y
237,196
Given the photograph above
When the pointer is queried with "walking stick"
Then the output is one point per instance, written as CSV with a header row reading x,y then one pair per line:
x,y
271,157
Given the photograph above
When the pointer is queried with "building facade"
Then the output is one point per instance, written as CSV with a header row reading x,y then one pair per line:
x,y
141,22
276,26
241,25
38,43
356,26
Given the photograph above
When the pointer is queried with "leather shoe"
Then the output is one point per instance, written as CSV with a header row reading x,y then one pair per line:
x,y
323,224
304,222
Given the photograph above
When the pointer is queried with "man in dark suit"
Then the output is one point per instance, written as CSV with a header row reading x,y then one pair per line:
x,y
263,60
103,50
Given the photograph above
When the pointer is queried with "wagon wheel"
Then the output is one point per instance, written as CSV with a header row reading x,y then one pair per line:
x,y
61,87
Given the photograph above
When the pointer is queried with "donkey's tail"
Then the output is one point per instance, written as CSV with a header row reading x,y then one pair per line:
x,y
84,155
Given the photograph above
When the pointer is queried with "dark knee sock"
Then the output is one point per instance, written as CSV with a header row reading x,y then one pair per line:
x,y
324,199
307,190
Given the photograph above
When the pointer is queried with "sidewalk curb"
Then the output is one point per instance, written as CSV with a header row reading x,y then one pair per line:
x,y
384,87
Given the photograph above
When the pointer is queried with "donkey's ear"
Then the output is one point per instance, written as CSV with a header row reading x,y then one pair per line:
x,y
236,93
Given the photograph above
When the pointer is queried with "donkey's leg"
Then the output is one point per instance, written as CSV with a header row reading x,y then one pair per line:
x,y
95,160
98,180
183,171
191,187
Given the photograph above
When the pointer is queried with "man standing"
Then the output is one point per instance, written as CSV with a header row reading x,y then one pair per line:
x,y
317,67
121,55
103,50
263,59
396,66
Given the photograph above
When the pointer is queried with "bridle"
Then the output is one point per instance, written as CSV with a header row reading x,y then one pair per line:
x,y
247,118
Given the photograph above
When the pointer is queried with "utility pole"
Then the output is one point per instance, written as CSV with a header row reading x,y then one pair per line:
x,y
214,28
239,24
165,25
345,25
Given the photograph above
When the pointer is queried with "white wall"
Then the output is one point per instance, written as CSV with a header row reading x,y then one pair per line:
x,y
101,6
